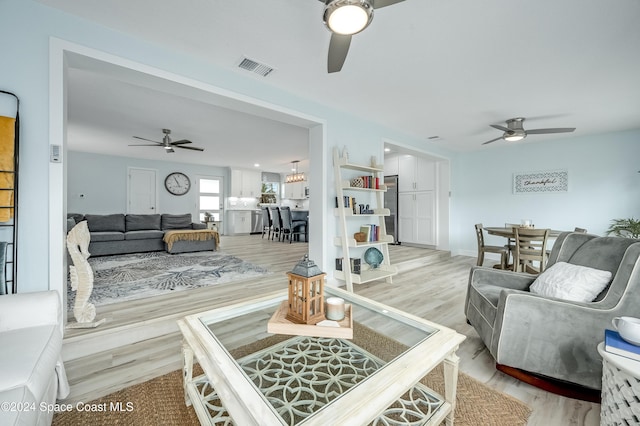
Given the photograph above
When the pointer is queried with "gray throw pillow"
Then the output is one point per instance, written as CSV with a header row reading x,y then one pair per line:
x,y
70,224
105,222
142,222
176,221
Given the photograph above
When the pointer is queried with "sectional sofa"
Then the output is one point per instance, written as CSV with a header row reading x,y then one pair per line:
x,y
137,233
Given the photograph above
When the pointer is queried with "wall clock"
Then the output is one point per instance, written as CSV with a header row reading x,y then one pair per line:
x,y
177,183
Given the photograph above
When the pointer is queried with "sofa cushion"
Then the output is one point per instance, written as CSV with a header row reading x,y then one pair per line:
x,y
71,222
485,299
105,222
107,236
142,222
571,282
75,216
33,356
143,235
176,221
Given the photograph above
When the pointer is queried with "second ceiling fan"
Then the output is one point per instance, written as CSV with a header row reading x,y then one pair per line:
x,y
515,132
168,144
345,18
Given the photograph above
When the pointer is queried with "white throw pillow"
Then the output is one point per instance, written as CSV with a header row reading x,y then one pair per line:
x,y
571,282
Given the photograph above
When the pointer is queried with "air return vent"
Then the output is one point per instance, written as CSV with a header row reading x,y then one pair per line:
x,y
256,67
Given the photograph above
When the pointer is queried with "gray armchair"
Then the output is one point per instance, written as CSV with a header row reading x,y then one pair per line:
x,y
550,337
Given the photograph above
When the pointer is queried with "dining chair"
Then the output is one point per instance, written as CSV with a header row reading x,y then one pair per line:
x,y
266,222
276,223
289,226
531,250
511,244
483,248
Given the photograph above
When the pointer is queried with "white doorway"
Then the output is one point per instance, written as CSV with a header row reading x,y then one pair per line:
x,y
210,199
142,191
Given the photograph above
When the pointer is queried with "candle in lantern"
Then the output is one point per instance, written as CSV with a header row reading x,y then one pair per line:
x,y
335,309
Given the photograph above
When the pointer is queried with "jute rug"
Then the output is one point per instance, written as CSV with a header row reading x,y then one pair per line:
x,y
161,401
133,276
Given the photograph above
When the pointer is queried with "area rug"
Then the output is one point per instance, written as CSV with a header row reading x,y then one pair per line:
x,y
161,401
134,276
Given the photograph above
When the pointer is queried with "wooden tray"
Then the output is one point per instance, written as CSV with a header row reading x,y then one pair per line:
x,y
278,324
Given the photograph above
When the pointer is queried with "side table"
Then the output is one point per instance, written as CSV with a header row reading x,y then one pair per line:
x,y
620,389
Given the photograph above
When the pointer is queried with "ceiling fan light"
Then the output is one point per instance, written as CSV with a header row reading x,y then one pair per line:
x,y
348,17
514,138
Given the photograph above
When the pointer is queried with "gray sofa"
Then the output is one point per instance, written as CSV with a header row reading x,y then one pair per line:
x,y
136,233
548,336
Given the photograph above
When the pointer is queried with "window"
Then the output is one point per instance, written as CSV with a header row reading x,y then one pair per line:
x,y
210,197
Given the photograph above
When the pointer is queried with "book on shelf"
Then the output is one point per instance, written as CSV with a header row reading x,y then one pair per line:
x,y
366,230
371,232
348,202
355,265
615,344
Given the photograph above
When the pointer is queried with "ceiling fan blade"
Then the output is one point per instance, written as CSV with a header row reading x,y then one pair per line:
x,y
143,144
377,4
338,48
504,129
145,139
193,148
492,140
180,142
557,130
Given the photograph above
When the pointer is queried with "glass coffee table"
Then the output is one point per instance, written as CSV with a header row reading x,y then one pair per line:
x,y
253,377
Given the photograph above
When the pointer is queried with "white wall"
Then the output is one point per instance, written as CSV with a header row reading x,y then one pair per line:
x,y
102,179
604,184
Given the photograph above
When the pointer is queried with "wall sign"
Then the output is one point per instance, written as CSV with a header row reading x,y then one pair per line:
x,y
530,182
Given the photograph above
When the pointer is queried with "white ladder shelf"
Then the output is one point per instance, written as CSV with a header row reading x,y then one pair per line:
x,y
347,216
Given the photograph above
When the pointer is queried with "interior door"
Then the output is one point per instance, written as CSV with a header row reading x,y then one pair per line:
x,y
142,192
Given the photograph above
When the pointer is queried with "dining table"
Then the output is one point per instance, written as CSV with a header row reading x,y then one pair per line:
x,y
508,232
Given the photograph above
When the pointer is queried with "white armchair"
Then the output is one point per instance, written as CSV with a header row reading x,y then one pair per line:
x,y
31,370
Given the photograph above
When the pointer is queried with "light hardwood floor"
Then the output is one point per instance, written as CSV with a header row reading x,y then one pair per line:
x,y
140,339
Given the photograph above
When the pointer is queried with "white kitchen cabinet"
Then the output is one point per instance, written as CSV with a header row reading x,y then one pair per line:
x,y
416,174
239,222
246,183
295,190
416,218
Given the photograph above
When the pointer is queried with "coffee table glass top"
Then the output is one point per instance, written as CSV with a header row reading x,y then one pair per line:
x,y
301,378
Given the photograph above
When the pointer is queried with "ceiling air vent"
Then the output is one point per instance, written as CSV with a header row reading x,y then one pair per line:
x,y
256,67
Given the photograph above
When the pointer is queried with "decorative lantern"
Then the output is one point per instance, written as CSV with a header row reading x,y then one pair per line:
x,y
306,293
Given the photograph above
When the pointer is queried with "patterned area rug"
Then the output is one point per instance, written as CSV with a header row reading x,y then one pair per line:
x,y
134,276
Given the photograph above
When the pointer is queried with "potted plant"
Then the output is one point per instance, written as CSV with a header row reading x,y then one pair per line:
x,y
629,228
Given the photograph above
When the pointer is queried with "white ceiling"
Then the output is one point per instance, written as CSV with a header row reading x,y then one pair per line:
x,y
107,109
430,68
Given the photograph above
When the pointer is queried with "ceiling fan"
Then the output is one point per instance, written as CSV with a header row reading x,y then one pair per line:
x,y
167,144
515,132
345,18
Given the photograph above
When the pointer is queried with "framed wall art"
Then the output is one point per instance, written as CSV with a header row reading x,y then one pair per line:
x,y
533,182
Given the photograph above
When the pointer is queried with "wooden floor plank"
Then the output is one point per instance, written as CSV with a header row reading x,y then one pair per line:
x,y
431,285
